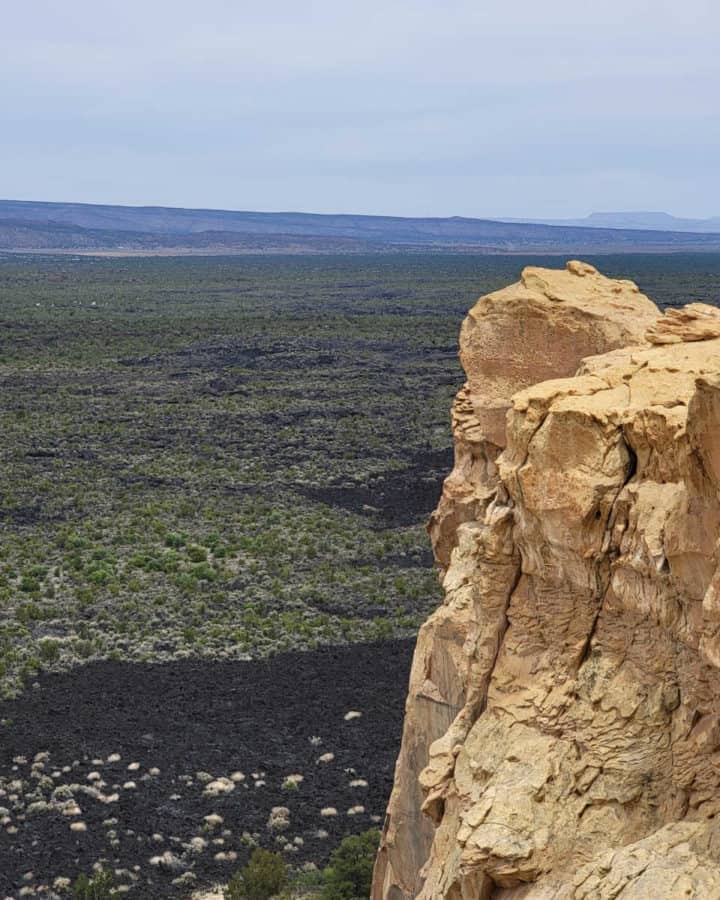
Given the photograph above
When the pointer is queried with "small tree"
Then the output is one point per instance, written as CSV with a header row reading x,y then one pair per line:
x,y
349,875
99,887
264,876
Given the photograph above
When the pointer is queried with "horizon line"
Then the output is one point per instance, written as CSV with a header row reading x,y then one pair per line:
x,y
530,219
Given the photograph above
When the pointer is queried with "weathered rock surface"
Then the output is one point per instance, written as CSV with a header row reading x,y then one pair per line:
x,y
539,328
694,322
562,732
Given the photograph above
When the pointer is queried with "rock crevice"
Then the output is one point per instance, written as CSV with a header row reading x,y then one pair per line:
x,y
562,730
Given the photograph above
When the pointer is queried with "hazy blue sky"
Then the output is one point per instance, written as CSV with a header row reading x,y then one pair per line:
x,y
412,107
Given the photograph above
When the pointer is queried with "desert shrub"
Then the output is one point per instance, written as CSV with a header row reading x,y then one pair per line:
x,y
169,561
49,650
83,648
29,612
98,574
264,876
97,887
196,554
173,539
349,875
203,572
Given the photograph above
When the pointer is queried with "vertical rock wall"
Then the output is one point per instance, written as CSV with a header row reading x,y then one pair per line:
x,y
562,699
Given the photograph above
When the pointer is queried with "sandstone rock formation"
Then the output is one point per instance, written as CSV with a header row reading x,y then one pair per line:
x,y
539,328
562,733
694,322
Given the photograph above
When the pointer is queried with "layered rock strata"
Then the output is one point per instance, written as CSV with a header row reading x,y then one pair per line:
x,y
562,732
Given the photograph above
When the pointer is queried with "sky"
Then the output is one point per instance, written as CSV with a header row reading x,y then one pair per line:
x,y
404,107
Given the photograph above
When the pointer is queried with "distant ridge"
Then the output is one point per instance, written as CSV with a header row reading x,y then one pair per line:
x,y
648,221
96,228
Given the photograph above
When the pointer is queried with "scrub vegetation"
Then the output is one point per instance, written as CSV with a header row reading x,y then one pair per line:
x,y
231,457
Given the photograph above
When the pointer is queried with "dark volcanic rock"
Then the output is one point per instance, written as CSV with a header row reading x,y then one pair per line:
x,y
202,716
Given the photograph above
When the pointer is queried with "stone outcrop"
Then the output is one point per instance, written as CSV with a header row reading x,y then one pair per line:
x,y
694,322
539,328
562,732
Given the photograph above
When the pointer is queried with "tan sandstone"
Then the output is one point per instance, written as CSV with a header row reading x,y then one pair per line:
x,y
562,732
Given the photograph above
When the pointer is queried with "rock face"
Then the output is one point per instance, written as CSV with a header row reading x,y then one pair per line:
x,y
562,732
539,328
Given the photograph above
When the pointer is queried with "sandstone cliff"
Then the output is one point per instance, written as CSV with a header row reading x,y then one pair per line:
x,y
562,732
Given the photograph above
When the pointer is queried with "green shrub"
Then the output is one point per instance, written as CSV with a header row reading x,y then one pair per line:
x,y
98,887
169,561
76,542
99,575
49,649
264,876
29,612
83,648
349,875
203,572
29,585
196,554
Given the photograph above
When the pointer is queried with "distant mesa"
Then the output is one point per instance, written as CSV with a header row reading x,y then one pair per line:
x,y
29,226
647,221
